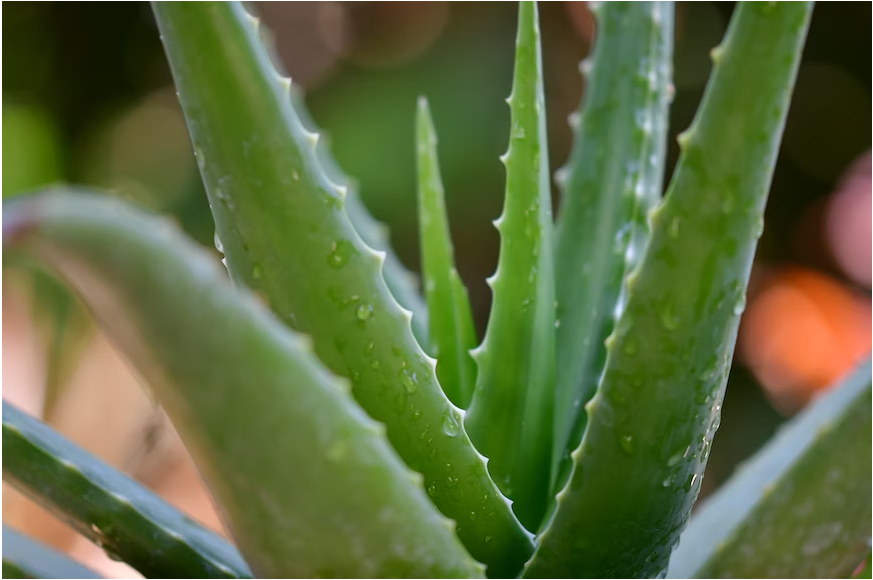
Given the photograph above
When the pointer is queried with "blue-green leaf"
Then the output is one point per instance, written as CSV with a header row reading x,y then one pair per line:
x,y
801,507
26,558
109,508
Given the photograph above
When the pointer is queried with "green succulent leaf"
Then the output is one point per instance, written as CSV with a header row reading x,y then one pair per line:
x,y
26,558
109,508
452,334
402,283
800,508
613,178
306,481
510,417
638,469
286,234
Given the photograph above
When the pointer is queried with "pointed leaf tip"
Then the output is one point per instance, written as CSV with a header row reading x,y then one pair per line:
x,y
510,418
452,333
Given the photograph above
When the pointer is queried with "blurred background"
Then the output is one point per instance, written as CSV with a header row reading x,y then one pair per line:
x,y
87,98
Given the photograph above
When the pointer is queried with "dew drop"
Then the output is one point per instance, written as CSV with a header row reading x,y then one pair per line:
x,y
410,380
740,305
201,159
689,484
627,444
668,481
432,490
218,245
674,460
364,312
256,271
295,176
487,539
759,227
374,365
451,427
340,253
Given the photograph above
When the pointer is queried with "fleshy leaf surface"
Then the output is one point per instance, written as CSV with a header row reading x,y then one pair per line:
x,y
801,507
286,234
613,178
638,469
452,334
109,508
27,558
305,480
510,418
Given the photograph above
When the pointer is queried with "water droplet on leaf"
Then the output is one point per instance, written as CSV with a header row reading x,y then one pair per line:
x,y
341,252
364,312
627,444
410,380
451,427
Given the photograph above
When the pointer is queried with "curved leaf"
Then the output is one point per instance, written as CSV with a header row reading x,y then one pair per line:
x,y
638,469
801,507
286,234
107,507
305,480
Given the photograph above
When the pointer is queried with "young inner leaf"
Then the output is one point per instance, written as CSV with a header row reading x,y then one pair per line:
x,y
611,181
510,418
452,334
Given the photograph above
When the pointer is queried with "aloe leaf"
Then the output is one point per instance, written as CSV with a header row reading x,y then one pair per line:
x,y
306,481
612,179
638,469
113,511
286,234
452,334
800,508
510,418
26,558
402,283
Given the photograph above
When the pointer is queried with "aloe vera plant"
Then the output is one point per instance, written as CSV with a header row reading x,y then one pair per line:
x,y
346,426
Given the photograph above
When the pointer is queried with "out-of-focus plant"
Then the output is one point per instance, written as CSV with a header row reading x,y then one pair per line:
x,y
570,442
